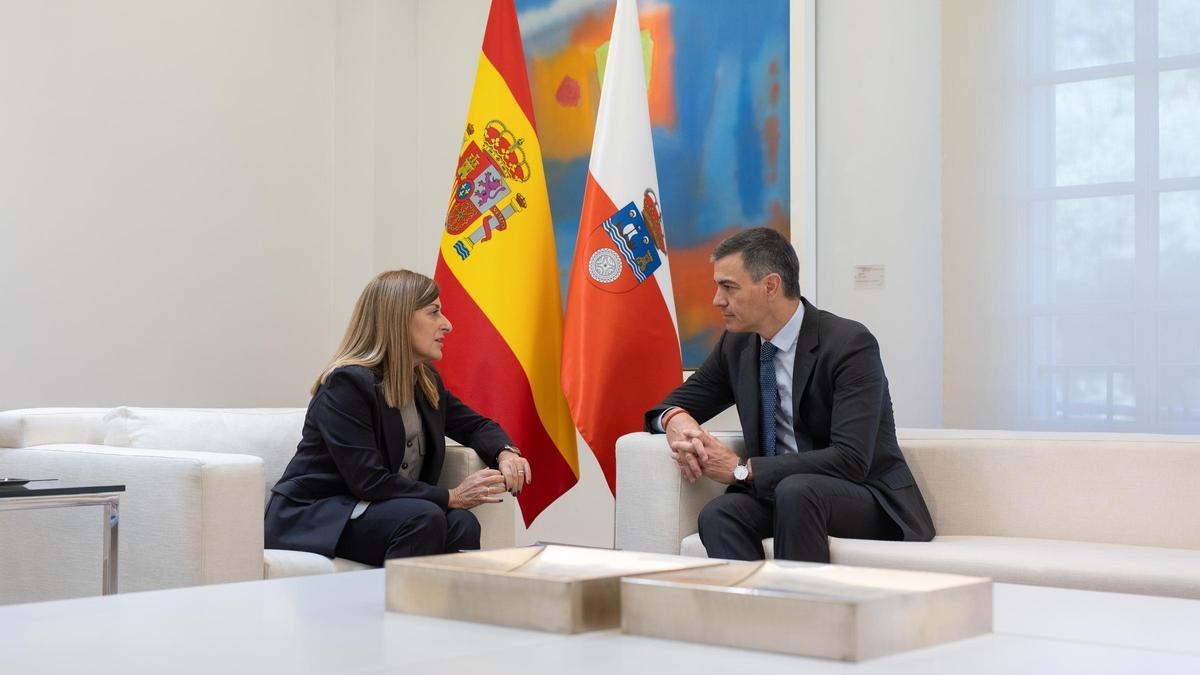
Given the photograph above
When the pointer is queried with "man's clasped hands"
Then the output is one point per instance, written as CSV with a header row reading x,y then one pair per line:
x,y
696,451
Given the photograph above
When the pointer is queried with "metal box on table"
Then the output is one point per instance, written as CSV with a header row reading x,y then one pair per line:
x,y
561,589
807,609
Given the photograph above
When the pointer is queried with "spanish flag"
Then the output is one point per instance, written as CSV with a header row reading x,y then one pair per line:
x,y
620,345
498,271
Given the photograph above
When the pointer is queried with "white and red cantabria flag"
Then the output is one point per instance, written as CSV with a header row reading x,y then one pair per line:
x,y
620,345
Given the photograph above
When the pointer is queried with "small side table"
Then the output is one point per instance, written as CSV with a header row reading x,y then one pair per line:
x,y
56,494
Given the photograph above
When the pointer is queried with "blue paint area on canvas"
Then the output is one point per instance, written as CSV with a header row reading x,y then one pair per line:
x,y
724,163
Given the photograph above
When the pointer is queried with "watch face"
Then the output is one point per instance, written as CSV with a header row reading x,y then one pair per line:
x,y
740,472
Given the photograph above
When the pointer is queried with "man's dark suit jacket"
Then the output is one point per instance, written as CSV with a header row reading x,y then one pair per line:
x,y
841,410
352,444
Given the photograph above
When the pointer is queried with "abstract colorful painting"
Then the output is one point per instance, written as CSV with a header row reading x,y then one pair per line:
x,y
719,113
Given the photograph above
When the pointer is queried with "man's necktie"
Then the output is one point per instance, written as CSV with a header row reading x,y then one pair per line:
x,y
768,396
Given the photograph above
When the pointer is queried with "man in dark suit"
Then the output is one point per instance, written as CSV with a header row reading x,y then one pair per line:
x,y
815,410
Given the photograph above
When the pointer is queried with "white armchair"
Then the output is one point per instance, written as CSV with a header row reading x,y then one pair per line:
x,y
656,509
192,513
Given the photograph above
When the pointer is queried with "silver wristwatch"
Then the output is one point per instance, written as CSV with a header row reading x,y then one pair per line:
x,y
740,473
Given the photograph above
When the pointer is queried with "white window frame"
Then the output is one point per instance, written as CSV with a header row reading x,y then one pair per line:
x,y
1146,187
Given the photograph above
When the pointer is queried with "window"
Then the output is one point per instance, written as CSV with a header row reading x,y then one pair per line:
x,y
1113,202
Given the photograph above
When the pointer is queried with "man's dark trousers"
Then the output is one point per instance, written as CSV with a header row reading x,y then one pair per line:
x,y
733,525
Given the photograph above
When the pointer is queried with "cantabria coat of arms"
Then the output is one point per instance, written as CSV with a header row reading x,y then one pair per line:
x,y
623,251
490,167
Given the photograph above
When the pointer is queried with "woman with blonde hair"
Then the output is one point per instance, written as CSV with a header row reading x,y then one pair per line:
x,y
363,482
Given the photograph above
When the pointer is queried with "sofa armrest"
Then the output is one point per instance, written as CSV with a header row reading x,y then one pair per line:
x,y
497,522
656,508
188,518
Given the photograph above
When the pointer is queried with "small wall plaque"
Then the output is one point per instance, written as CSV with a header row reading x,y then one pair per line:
x,y
868,277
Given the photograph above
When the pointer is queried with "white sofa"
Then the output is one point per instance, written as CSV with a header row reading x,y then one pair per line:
x,y
192,513
1112,512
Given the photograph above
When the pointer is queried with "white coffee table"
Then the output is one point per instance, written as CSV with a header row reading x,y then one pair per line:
x,y
337,624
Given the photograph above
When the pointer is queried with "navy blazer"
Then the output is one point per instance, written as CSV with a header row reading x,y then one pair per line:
x,y
841,411
352,444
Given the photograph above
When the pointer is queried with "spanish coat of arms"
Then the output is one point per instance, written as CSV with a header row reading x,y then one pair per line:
x,y
483,198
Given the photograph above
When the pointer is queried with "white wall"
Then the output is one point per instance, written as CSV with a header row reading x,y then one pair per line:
x,y
879,185
405,74
165,201
378,164
986,227
192,194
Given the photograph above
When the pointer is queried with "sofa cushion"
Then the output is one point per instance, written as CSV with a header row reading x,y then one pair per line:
x,y
692,546
269,433
280,563
43,426
1118,568
1133,489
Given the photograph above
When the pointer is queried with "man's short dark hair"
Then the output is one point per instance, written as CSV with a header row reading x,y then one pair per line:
x,y
764,251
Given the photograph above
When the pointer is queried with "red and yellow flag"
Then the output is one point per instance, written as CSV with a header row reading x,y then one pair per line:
x,y
498,272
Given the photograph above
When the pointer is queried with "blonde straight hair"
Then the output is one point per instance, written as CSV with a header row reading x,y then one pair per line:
x,y
378,336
